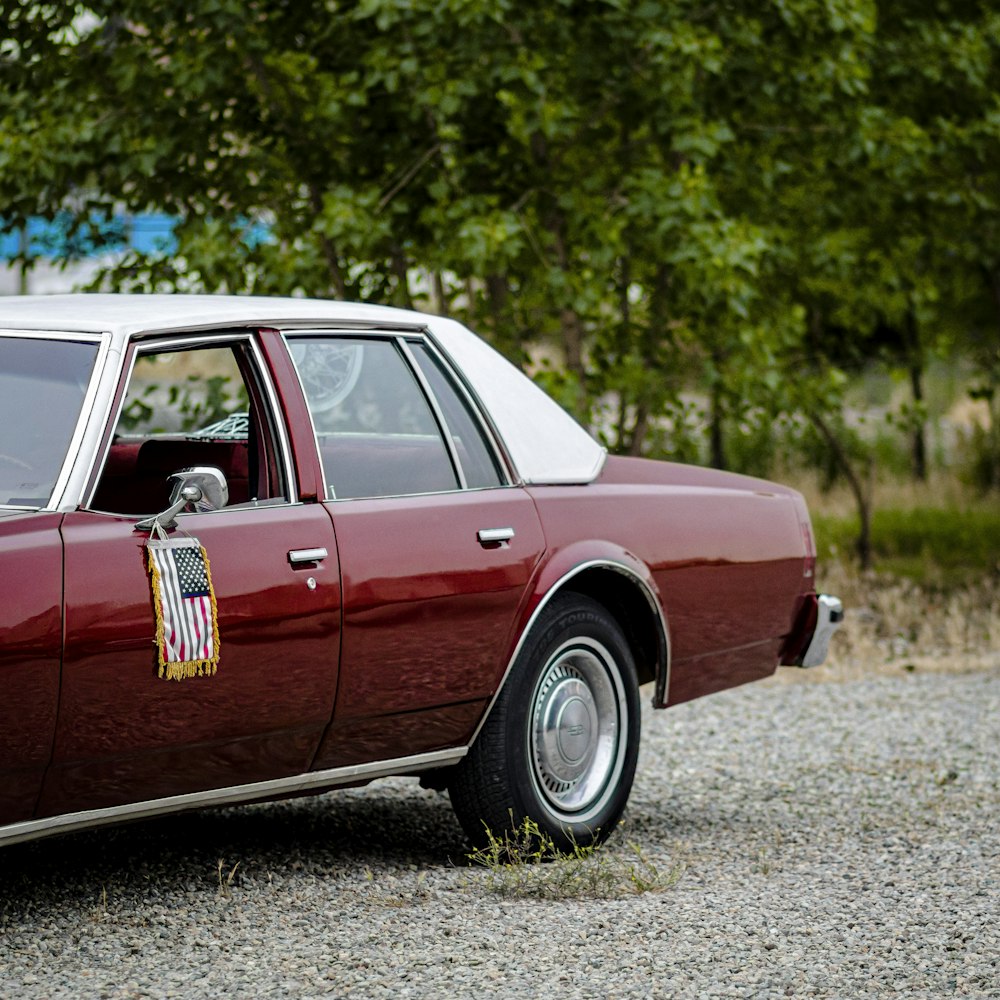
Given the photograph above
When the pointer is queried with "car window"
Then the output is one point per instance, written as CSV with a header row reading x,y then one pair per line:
x,y
42,385
474,452
189,407
376,431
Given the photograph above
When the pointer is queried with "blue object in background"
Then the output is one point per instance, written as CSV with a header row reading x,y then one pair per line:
x,y
150,233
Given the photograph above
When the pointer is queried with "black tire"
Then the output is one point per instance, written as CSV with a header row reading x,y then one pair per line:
x,y
560,745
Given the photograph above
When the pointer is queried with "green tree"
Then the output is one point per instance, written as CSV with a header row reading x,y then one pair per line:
x,y
875,158
653,195
544,170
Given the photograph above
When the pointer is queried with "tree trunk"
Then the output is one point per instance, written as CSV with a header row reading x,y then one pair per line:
x,y
656,329
22,267
990,372
629,439
400,270
572,337
717,458
918,432
554,221
440,295
639,429
993,282
919,429
329,251
862,496
505,336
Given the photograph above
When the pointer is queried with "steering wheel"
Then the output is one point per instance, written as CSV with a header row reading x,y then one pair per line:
x,y
329,372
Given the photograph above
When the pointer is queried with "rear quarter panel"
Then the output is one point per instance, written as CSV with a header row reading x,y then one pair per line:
x,y
726,555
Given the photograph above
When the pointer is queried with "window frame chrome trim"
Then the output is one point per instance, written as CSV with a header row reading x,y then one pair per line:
x,y
338,330
277,419
662,679
479,410
154,344
443,429
33,829
493,440
327,488
546,445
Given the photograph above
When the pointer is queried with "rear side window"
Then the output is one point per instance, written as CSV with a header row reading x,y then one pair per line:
x,y
476,456
376,431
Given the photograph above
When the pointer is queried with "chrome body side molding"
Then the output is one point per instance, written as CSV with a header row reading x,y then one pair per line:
x,y
235,794
662,667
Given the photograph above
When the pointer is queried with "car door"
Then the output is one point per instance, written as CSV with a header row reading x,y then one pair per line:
x,y
124,733
436,545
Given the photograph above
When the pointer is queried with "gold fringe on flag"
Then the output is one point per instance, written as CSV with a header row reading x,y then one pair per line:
x,y
166,601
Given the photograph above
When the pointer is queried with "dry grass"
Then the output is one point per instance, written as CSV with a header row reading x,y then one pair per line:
x,y
893,626
941,490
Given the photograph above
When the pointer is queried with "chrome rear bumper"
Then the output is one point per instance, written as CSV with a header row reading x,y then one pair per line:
x,y
829,615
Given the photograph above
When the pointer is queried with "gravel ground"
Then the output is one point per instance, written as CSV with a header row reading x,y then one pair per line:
x,y
836,840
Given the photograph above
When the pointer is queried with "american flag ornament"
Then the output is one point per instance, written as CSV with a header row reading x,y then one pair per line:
x,y
187,625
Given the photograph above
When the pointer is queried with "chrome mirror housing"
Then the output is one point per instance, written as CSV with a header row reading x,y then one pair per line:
x,y
199,488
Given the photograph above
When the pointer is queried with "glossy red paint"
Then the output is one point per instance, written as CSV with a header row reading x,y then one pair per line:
x,y
383,737
30,645
725,553
428,609
126,734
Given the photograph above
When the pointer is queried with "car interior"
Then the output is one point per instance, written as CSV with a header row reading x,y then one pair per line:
x,y
178,412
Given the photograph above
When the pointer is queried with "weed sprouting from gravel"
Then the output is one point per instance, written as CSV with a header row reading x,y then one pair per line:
x,y
524,863
100,911
226,881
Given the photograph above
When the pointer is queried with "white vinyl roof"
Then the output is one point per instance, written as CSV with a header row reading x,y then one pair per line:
x,y
544,442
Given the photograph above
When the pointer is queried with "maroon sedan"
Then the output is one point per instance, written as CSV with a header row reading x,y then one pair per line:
x,y
262,547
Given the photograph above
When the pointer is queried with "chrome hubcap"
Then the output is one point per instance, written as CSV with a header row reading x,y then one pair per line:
x,y
578,723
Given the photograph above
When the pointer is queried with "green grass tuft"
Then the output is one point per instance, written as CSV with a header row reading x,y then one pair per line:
x,y
524,863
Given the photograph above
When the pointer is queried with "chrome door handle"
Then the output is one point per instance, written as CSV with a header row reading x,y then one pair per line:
x,y
297,556
487,536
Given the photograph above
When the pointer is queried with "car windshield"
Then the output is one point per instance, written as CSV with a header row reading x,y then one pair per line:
x,y
42,385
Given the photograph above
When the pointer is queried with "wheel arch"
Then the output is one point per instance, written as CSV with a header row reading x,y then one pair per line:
x,y
624,586
635,607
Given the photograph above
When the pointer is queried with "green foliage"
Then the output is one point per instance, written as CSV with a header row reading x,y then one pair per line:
x,y
980,467
742,204
524,863
947,546
186,406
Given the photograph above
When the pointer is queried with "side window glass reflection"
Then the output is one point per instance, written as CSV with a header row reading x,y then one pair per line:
x,y
375,430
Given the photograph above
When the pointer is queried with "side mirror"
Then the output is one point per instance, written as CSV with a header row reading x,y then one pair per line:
x,y
202,487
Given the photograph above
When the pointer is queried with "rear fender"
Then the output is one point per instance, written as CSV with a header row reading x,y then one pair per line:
x,y
609,574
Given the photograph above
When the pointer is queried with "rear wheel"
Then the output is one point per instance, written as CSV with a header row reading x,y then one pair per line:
x,y
560,746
